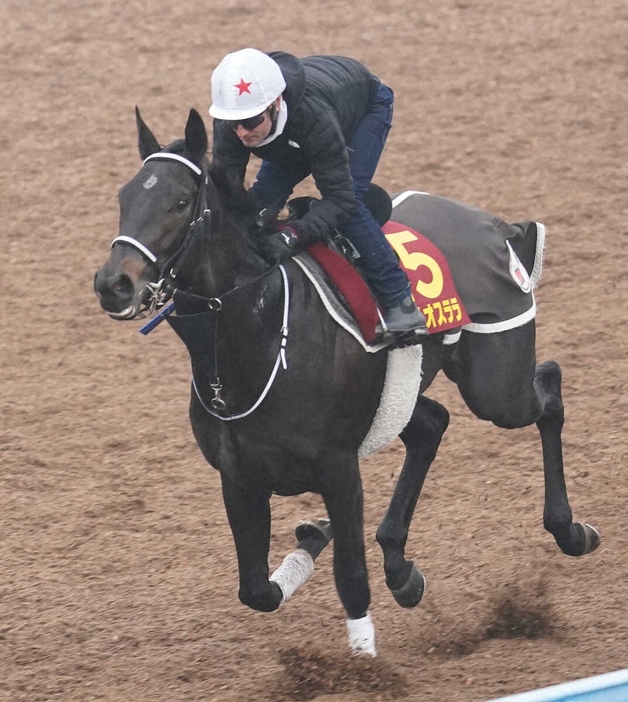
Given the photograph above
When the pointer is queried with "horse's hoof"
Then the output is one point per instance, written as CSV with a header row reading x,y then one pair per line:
x,y
309,528
410,594
591,538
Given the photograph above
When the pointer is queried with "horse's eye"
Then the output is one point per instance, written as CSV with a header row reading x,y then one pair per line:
x,y
181,205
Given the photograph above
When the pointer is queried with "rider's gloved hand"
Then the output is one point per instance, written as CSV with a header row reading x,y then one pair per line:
x,y
282,245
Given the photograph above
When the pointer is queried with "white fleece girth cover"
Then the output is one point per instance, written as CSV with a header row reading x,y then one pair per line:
x,y
401,389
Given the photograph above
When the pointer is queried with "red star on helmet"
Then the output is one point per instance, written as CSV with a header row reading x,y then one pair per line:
x,y
243,87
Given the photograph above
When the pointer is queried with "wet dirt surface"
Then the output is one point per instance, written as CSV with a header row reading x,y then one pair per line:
x,y
118,569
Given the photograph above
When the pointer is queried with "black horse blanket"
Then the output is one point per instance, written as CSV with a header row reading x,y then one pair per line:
x,y
495,265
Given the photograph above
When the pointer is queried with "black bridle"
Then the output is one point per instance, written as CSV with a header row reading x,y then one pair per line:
x,y
165,289
198,229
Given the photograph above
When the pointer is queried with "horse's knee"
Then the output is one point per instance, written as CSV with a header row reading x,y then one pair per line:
x,y
553,414
438,418
427,425
548,375
261,599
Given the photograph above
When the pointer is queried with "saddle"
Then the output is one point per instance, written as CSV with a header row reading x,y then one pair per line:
x,y
340,261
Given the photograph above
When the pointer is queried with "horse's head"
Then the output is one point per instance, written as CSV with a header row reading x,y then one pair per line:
x,y
157,209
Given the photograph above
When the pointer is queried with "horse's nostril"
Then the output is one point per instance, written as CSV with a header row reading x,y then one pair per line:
x,y
123,285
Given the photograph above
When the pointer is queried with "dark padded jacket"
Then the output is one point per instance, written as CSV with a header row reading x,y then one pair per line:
x,y
327,97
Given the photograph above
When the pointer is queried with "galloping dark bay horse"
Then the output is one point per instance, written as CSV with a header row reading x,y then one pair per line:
x,y
283,396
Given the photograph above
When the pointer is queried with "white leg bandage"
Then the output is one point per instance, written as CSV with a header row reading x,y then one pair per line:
x,y
295,569
362,636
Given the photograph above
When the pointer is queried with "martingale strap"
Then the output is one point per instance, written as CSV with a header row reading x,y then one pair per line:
x,y
280,361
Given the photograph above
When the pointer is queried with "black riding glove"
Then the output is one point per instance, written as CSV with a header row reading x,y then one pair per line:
x,y
281,245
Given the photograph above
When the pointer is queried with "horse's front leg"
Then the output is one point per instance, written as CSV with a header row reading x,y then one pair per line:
x,y
248,511
343,499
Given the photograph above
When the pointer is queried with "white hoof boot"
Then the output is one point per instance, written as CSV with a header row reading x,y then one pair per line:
x,y
362,636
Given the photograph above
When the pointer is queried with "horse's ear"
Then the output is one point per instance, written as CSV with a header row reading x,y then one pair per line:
x,y
195,137
145,139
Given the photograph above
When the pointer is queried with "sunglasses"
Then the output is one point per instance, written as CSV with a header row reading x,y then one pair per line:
x,y
248,123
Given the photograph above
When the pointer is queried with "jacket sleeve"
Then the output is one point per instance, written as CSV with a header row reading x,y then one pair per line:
x,y
326,152
228,151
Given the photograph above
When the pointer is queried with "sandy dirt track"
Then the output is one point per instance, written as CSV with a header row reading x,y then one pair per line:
x,y
118,574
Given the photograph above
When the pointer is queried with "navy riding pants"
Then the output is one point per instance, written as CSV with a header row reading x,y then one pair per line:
x,y
365,146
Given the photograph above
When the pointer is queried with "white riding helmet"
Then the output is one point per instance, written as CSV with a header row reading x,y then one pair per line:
x,y
244,84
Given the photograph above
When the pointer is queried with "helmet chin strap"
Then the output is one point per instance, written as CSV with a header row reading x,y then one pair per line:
x,y
273,118
279,116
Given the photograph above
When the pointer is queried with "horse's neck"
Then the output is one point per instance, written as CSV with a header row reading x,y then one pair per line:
x,y
227,263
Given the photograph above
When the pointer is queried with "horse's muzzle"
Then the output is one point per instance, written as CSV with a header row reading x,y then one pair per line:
x,y
117,294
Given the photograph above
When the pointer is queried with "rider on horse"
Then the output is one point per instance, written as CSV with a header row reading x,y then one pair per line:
x,y
322,115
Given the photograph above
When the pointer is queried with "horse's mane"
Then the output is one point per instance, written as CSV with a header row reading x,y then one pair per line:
x,y
238,202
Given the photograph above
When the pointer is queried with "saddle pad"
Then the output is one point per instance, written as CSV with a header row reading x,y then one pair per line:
x,y
351,286
436,296
463,270
329,297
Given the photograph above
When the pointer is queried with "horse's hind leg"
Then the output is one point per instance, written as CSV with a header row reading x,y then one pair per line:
x,y
573,538
500,382
421,436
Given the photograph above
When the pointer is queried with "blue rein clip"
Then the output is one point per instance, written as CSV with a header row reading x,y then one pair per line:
x,y
157,319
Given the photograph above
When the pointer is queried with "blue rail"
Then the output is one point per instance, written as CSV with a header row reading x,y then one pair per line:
x,y
610,687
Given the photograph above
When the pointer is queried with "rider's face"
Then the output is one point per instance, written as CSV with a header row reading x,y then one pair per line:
x,y
253,137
